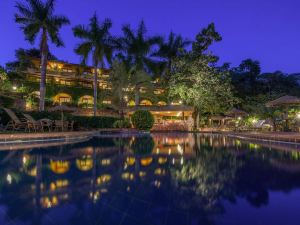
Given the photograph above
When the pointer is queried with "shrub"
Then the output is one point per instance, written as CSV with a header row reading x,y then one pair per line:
x,y
142,145
142,120
94,122
6,101
80,121
122,123
48,115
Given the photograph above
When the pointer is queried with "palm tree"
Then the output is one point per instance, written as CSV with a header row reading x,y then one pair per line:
x,y
171,49
123,78
37,17
138,79
137,47
97,43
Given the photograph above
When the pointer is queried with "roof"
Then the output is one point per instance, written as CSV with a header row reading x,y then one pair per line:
x,y
284,101
236,112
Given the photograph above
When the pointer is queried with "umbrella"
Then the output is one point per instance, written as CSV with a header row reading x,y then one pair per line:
x,y
284,101
62,109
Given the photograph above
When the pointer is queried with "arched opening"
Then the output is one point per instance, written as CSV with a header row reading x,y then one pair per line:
x,y
86,101
62,98
146,102
161,103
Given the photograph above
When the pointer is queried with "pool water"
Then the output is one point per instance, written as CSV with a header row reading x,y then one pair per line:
x,y
162,179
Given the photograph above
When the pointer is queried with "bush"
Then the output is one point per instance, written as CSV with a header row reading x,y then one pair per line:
x,y
48,115
142,120
122,123
6,101
4,118
80,121
94,122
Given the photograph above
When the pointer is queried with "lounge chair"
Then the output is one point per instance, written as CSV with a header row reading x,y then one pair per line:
x,y
33,124
15,123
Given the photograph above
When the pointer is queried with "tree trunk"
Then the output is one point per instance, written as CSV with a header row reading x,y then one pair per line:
x,y
44,59
95,89
137,97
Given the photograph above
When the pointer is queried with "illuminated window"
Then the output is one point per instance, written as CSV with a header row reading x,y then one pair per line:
x,y
161,103
64,99
107,102
145,102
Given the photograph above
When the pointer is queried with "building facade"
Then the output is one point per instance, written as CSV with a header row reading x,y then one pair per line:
x,y
72,84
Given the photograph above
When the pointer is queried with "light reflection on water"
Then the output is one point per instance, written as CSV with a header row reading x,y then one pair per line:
x,y
163,179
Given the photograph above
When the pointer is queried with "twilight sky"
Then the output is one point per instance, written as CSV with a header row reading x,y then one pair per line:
x,y
265,30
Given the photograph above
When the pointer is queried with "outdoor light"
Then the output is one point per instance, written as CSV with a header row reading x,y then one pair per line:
x,y
298,115
14,88
9,178
254,120
239,118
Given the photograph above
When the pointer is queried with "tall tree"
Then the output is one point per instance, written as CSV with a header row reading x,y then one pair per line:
x,y
205,38
37,18
119,79
97,43
137,48
169,50
204,87
24,59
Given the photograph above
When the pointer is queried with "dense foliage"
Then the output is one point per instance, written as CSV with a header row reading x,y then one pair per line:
x,y
142,120
125,123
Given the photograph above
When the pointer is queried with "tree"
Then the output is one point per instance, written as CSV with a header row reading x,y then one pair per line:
x,y
119,79
37,18
204,39
5,84
201,86
24,59
97,43
139,79
171,49
137,48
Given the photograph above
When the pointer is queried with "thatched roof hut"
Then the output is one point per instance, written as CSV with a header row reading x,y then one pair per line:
x,y
284,101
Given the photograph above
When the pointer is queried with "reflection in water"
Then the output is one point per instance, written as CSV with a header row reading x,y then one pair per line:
x,y
163,179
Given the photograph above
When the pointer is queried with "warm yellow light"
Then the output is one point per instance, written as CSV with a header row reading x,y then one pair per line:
x,y
254,120
14,88
298,115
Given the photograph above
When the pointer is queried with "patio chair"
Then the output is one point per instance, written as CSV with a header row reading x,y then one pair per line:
x,y
46,124
15,123
61,125
71,126
33,124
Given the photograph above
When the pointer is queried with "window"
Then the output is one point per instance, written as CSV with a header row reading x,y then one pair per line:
x,y
64,99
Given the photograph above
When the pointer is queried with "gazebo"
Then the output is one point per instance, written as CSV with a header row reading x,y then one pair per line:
x,y
285,102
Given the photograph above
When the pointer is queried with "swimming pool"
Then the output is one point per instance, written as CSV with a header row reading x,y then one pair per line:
x,y
175,178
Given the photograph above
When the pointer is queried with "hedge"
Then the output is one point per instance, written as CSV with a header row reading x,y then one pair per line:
x,y
88,122
94,122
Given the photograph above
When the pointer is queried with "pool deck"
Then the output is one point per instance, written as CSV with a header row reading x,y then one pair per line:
x,y
54,135
288,137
